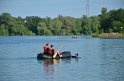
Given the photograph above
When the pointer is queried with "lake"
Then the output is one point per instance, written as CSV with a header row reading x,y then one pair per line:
x,y
100,59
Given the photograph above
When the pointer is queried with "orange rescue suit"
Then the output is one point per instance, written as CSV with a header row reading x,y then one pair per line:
x,y
45,49
51,52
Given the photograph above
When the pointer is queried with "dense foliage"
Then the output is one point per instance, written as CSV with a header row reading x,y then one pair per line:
x,y
106,22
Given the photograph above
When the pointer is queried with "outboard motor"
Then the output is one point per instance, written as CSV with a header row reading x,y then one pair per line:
x,y
76,55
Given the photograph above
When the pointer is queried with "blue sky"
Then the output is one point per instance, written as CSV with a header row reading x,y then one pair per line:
x,y
52,8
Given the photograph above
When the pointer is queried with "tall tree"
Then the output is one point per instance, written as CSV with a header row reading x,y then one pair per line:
x,y
57,25
42,29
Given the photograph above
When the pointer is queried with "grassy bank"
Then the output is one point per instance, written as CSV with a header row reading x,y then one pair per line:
x,y
109,35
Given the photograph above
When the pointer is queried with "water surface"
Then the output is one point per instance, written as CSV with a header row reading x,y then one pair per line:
x,y
101,59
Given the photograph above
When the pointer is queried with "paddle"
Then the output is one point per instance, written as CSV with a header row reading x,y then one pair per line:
x,y
55,54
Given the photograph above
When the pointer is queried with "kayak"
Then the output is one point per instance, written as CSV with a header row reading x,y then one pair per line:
x,y
65,54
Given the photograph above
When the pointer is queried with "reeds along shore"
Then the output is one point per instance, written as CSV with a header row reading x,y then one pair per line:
x,y
109,35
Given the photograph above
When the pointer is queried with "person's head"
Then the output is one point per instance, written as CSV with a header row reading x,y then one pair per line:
x,y
51,46
47,44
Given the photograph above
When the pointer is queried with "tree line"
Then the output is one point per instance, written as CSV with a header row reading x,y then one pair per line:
x,y
106,22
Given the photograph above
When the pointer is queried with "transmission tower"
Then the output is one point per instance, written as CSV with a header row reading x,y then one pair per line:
x,y
87,8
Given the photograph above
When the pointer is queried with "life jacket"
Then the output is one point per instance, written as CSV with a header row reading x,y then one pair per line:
x,y
51,51
46,48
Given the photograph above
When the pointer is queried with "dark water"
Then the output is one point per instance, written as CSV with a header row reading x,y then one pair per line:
x,y
101,59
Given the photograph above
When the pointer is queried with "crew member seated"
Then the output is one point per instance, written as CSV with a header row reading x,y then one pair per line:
x,y
46,49
51,50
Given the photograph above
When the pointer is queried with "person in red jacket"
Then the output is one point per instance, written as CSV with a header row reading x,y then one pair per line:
x,y
46,49
51,50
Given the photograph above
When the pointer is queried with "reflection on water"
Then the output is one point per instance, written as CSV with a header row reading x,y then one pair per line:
x,y
49,64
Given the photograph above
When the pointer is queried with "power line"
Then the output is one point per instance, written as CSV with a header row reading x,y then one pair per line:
x,y
87,8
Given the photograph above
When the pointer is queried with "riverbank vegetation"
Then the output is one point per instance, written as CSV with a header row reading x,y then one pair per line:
x,y
106,22
109,35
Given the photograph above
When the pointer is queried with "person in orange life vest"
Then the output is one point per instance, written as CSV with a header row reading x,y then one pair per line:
x,y
51,50
46,49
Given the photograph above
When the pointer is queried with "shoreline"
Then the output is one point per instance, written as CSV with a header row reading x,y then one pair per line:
x,y
102,35
109,35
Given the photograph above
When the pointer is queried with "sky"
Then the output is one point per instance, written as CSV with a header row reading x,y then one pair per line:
x,y
53,8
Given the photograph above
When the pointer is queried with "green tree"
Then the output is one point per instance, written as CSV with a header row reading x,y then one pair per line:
x,y
86,25
116,26
3,30
32,23
95,24
105,22
57,25
42,29
117,20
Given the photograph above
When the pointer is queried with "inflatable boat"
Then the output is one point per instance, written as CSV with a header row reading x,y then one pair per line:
x,y
65,54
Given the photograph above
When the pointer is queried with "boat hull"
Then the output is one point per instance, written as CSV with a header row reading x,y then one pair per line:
x,y
66,54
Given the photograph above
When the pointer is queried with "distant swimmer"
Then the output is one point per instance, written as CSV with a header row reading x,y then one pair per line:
x,y
74,36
